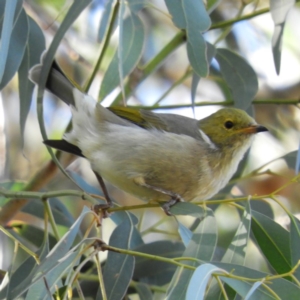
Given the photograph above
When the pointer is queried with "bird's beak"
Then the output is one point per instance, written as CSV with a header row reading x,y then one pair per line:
x,y
254,129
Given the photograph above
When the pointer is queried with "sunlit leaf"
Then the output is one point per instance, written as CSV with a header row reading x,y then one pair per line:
x,y
236,252
119,267
34,47
185,233
192,16
132,46
279,10
17,43
201,248
198,283
106,18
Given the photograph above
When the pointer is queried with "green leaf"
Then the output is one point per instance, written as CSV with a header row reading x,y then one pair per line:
x,y
60,213
295,243
212,5
119,268
188,209
192,16
185,234
106,19
236,252
17,43
143,291
154,271
34,48
132,43
239,76
201,247
8,9
19,283
198,283
196,78
136,5
282,287
273,241
279,10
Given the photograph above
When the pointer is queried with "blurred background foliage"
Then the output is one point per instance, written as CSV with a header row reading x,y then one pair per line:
x,y
244,243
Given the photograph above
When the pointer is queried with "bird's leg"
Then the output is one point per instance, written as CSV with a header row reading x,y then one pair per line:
x,y
174,197
103,207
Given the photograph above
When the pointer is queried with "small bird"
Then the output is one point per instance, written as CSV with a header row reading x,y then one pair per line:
x,y
162,157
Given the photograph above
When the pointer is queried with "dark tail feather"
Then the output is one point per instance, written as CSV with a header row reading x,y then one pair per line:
x,y
64,146
57,82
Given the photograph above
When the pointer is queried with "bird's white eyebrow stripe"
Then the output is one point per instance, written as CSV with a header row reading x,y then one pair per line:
x,y
207,140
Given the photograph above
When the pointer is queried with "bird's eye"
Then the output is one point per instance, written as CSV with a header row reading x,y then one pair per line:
x,y
228,124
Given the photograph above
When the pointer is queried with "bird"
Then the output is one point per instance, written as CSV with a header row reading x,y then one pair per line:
x,y
158,157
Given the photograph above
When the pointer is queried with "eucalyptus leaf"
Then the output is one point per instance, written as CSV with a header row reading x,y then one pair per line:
x,y
279,10
9,11
196,78
199,281
119,267
295,243
19,283
188,208
236,252
192,16
184,233
34,47
126,57
201,248
239,76
273,241
282,287
61,214
144,291
17,43
157,272
106,18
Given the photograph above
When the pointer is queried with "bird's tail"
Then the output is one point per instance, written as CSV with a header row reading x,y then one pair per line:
x,y
57,82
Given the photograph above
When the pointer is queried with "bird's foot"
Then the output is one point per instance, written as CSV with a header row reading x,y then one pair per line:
x,y
175,198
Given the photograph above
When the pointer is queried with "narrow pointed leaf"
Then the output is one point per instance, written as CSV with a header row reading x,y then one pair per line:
x,y
9,11
185,234
119,267
127,59
17,44
236,251
34,47
201,247
279,10
273,241
188,208
154,271
282,287
106,18
239,76
192,16
295,243
198,284
143,291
